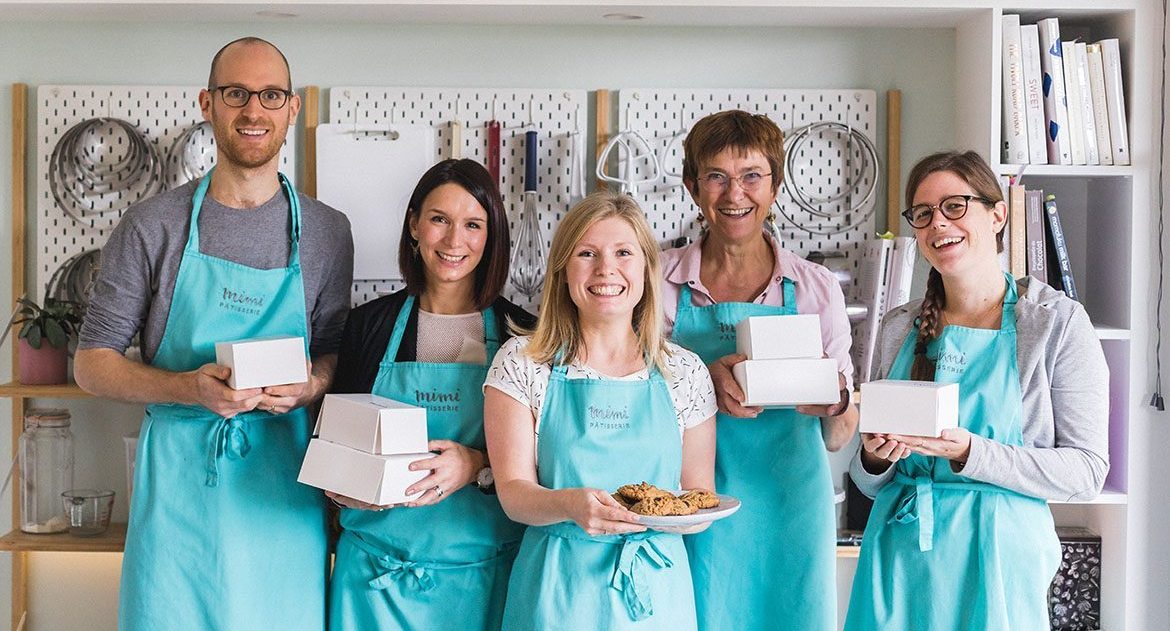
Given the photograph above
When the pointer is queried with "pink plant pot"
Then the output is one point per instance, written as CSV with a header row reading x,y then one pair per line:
x,y
42,366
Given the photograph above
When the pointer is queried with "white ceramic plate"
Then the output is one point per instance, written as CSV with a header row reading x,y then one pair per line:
x,y
727,506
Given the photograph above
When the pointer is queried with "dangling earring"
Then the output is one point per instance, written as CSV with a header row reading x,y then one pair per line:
x,y
414,248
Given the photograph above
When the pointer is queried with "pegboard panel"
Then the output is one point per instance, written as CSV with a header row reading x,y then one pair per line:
x,y
555,114
160,113
827,163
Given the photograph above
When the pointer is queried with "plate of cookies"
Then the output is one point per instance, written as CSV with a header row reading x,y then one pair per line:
x,y
660,507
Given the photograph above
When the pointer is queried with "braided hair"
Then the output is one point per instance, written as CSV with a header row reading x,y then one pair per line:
x,y
971,167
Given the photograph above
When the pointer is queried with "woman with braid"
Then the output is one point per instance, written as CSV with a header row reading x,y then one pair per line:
x,y
960,536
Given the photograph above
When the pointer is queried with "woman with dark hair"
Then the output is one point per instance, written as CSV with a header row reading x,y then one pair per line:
x,y
775,460
960,536
444,558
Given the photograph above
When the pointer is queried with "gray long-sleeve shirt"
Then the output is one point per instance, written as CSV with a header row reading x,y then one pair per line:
x,y
1065,384
140,264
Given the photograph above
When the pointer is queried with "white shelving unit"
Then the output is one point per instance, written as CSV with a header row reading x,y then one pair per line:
x,y
1106,211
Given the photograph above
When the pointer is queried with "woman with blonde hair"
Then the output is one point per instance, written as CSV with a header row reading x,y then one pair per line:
x,y
960,536
596,398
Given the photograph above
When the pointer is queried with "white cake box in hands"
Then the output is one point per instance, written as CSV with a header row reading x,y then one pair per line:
x,y
370,478
788,382
780,337
911,408
372,424
263,361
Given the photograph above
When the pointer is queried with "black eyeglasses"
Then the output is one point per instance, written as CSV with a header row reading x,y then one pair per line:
x,y
953,208
237,96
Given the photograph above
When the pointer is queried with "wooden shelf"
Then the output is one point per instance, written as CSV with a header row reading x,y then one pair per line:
x,y
848,552
1065,170
13,389
113,540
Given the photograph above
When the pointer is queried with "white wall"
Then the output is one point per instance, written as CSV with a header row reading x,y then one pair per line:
x,y
920,62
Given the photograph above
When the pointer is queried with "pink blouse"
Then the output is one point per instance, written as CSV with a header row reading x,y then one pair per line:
x,y
817,291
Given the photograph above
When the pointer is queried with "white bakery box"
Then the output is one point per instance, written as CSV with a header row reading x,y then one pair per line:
x,y
371,478
910,408
373,424
788,382
780,337
263,361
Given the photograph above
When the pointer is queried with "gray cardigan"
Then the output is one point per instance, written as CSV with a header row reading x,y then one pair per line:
x,y
1065,382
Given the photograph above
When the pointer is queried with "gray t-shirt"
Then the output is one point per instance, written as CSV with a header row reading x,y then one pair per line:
x,y
140,263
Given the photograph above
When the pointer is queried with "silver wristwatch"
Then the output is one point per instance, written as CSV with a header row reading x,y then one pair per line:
x,y
485,482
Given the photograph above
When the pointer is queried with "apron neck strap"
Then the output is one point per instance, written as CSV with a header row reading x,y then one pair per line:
x,y
490,330
1007,320
788,288
294,205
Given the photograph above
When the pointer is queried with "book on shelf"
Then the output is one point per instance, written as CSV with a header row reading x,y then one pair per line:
x,y
1085,103
1058,261
1017,225
1100,109
1055,108
1072,90
1115,100
1015,126
1033,93
1034,232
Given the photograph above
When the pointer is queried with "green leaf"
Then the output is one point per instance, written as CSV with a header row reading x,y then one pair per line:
x,y
55,334
32,334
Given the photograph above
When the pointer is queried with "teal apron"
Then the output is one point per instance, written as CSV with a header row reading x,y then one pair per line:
x,y
603,433
777,465
940,551
221,536
430,567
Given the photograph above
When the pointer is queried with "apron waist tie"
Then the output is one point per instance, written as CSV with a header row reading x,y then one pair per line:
x,y
394,569
917,502
639,551
229,439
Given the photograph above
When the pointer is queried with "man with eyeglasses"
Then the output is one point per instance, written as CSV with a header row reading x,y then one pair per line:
x,y
221,535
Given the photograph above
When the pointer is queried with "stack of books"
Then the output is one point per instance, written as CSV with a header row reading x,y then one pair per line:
x,y
887,273
1063,101
1034,243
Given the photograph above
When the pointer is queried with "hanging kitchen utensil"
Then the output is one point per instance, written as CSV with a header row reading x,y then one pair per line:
x,y
673,148
99,167
637,150
74,278
191,155
529,259
576,162
456,140
387,160
493,150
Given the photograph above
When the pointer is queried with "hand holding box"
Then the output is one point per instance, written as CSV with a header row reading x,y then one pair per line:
x,y
788,382
371,478
373,424
909,408
263,361
780,337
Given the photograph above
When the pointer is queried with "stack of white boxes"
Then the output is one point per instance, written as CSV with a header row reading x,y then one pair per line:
x,y
364,447
785,364
908,408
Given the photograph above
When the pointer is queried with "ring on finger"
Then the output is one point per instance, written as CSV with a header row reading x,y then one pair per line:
x,y
438,491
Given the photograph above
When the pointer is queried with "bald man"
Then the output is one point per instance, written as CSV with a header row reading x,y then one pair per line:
x,y
221,535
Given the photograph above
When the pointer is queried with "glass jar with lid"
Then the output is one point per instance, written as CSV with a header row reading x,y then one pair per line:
x,y
46,470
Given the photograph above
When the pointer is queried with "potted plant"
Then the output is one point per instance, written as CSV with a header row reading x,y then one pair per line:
x,y
44,337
